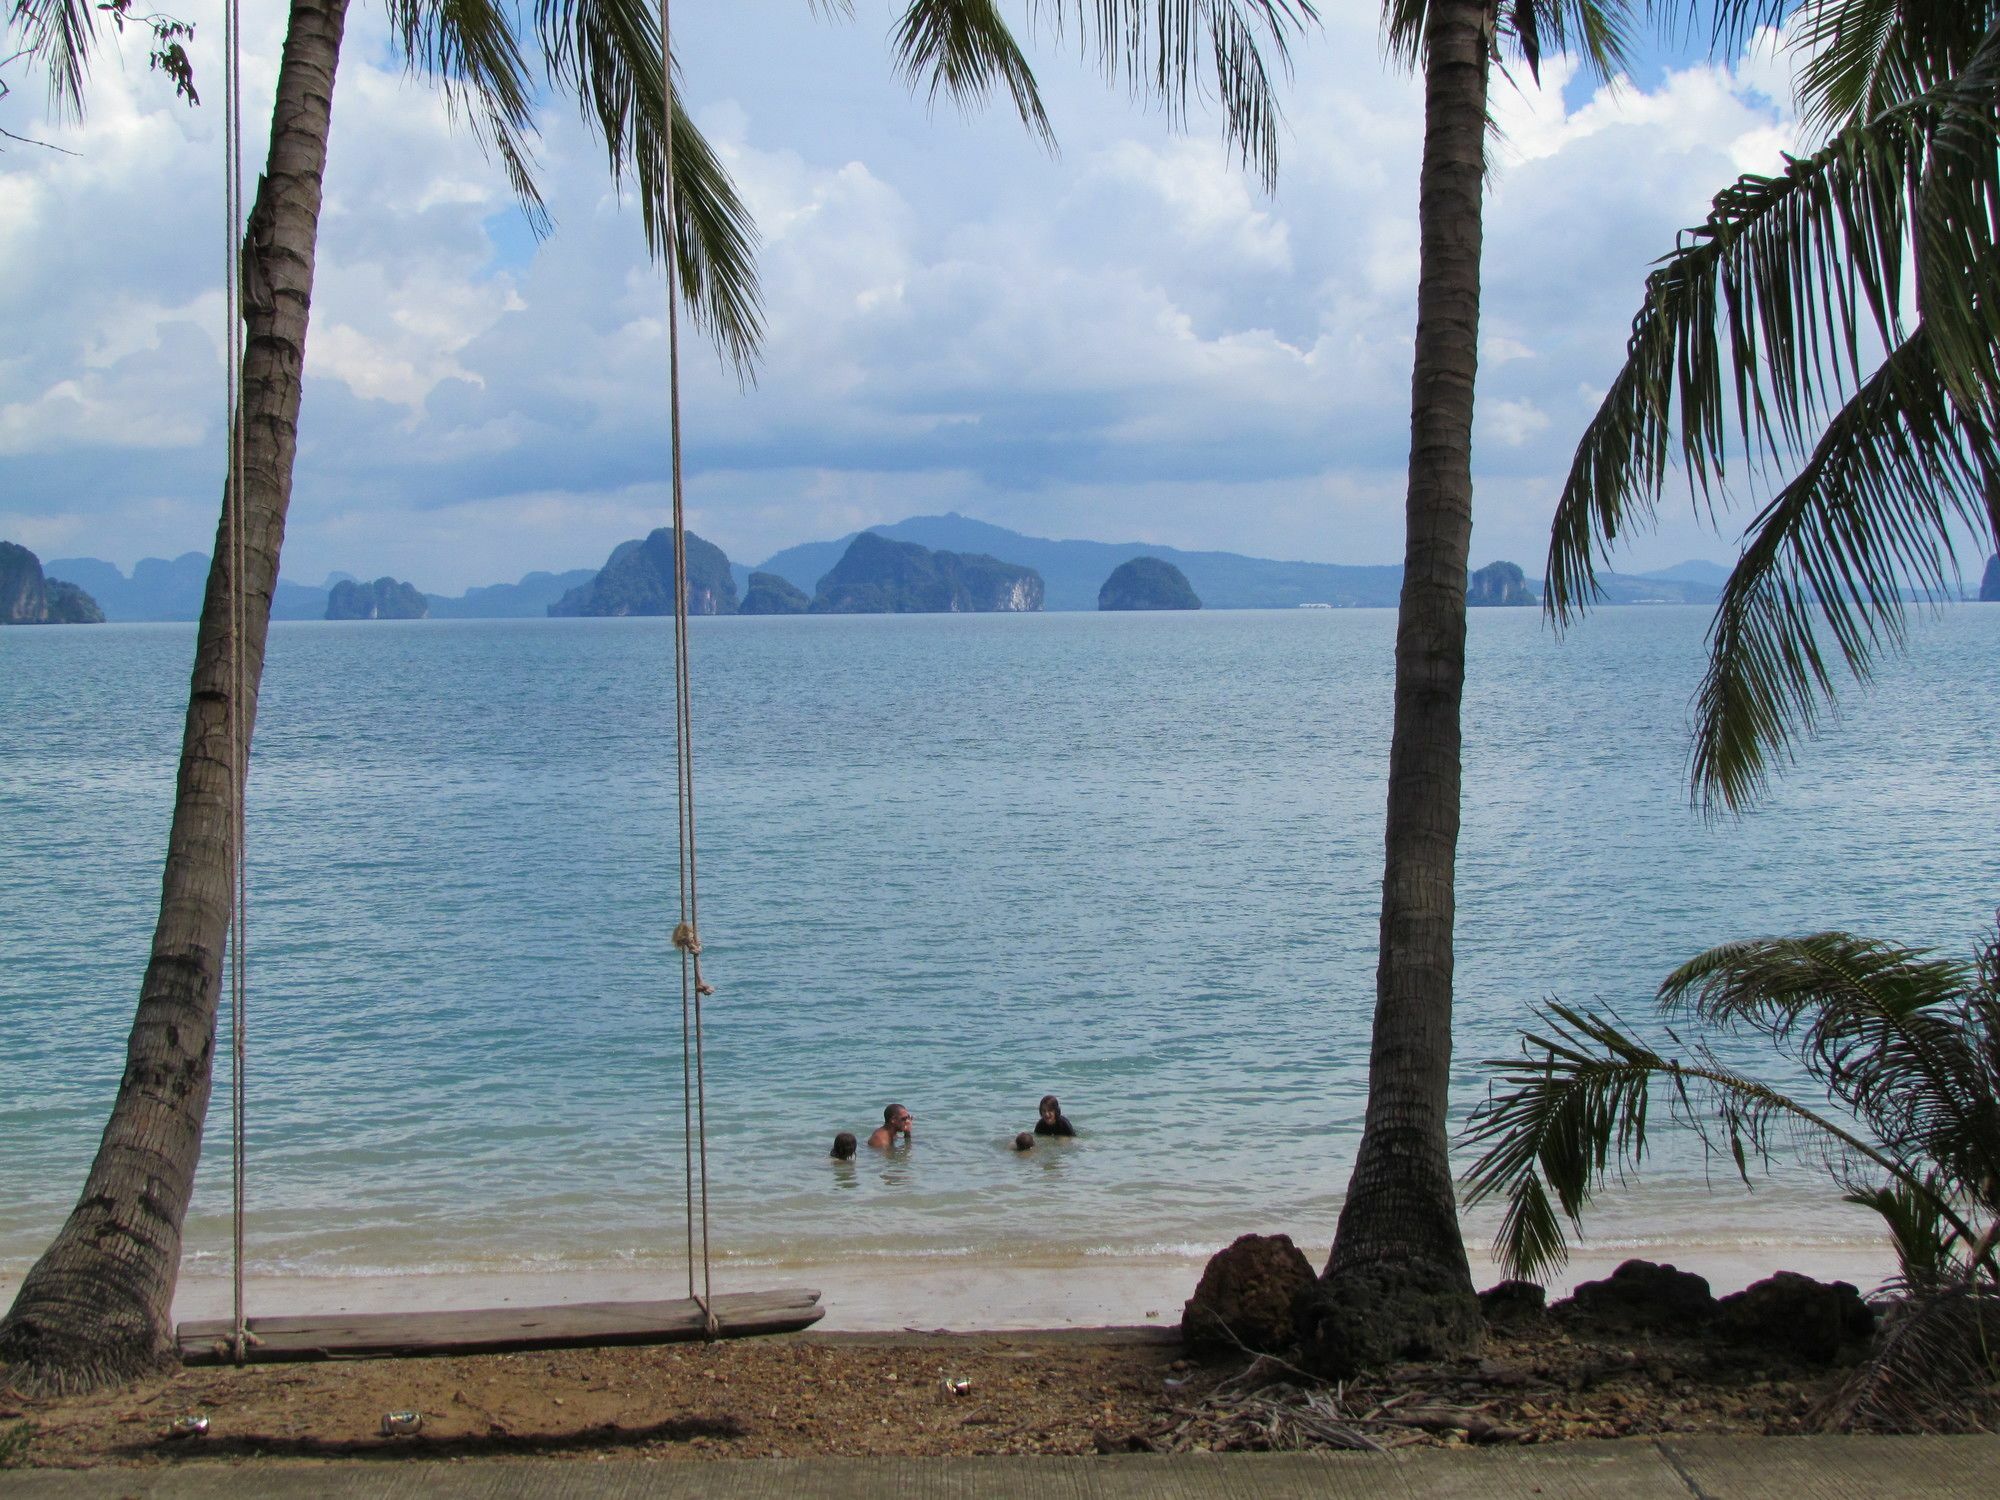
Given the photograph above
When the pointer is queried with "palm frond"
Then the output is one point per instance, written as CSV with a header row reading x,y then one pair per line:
x,y
470,50
1573,1112
1881,1027
1158,47
1927,1367
1869,517
1748,331
963,47
1861,56
59,35
1957,228
607,54
1927,1248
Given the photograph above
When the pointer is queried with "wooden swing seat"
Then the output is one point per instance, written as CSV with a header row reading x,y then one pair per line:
x,y
498,1330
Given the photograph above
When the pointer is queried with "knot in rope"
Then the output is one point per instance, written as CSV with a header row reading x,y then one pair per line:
x,y
686,940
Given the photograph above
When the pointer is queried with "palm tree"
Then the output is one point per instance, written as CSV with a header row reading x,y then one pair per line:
x,y
94,1308
1397,1281
1904,1046
1777,335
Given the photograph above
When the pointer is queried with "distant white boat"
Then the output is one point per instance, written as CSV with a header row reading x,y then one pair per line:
x,y
1315,606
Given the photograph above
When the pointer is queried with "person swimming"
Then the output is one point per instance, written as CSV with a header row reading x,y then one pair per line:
x,y
1025,1141
896,1121
1053,1121
843,1146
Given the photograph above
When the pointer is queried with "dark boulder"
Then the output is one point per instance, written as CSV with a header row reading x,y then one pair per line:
x,y
1368,1317
1513,1304
1811,1321
1246,1294
769,594
1147,583
1642,1297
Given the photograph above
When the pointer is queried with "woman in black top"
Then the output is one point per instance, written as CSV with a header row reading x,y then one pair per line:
x,y
1053,1120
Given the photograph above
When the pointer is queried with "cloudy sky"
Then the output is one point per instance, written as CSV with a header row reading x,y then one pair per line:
x,y
1127,340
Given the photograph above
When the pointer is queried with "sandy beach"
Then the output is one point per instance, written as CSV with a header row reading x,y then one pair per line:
x,y
959,1296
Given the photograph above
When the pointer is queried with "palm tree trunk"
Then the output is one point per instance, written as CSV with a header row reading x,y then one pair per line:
x,y
1398,1282
95,1308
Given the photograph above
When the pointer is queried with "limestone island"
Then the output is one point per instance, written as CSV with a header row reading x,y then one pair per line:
x,y
27,598
1147,583
384,599
1499,584
876,576
768,594
638,579
1989,586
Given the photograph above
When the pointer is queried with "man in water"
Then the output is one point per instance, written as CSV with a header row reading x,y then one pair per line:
x,y
896,1121
843,1146
1053,1121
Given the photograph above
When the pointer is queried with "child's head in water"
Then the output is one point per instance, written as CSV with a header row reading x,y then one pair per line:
x,y
1025,1141
843,1146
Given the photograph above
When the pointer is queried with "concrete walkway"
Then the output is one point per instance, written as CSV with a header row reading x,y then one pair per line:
x,y
1638,1469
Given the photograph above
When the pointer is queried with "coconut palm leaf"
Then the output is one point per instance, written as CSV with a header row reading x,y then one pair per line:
x,y
1932,1355
1573,1111
963,47
1868,518
1747,318
1883,1028
58,34
1862,56
469,50
1928,1249
1157,47
606,53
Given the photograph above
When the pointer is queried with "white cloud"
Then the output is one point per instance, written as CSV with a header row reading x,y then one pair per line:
x,y
1125,340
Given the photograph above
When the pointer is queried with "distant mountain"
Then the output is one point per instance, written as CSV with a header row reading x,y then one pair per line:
x,y
1500,584
1072,572
879,577
638,579
384,599
528,599
768,594
1147,583
30,597
1694,570
163,590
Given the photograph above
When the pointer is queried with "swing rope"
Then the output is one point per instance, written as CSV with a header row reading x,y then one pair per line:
x,y
694,1086
239,728
687,935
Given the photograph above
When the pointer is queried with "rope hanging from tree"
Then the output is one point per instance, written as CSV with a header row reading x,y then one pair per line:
x,y
686,938
687,933
239,726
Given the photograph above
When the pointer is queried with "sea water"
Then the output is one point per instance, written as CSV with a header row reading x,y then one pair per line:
x,y
951,862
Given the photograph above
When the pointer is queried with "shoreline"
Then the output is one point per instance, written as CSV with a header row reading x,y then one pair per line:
x,y
964,1296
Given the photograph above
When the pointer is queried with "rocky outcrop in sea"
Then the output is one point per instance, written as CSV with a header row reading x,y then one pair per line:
x,y
638,579
769,594
1500,583
384,599
1147,583
28,598
1989,586
876,576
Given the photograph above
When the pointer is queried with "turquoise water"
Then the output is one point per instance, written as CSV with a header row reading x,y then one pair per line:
x,y
955,862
